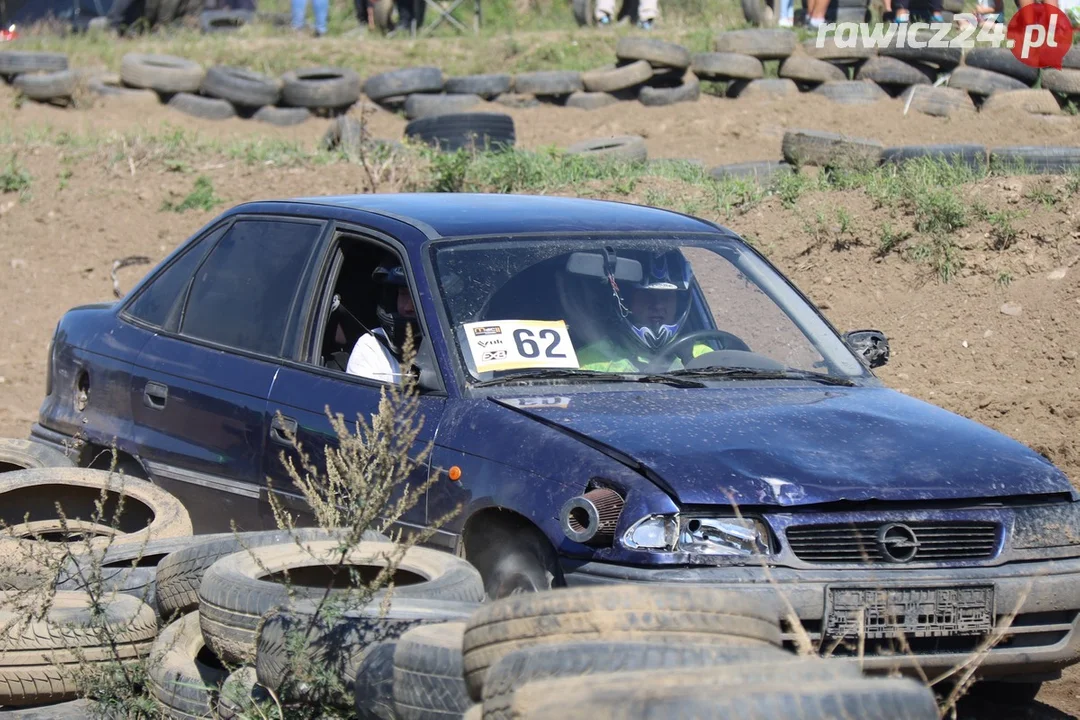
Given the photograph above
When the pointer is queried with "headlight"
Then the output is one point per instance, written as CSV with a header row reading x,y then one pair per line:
x,y
731,537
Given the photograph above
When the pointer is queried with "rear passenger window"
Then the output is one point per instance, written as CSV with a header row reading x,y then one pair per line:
x,y
159,302
242,294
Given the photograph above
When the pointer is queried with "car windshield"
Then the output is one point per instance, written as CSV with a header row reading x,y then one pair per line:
x,y
576,307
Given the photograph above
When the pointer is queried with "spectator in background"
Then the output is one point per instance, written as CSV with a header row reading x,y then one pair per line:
x,y
299,9
648,10
903,14
406,10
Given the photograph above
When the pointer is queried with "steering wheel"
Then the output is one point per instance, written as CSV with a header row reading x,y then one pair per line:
x,y
727,342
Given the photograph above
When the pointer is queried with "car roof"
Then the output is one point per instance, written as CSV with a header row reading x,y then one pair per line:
x,y
468,214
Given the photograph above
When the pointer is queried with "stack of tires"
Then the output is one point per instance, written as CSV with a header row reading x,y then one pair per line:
x,y
739,59
40,76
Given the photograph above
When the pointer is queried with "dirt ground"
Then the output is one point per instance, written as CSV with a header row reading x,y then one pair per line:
x,y
952,343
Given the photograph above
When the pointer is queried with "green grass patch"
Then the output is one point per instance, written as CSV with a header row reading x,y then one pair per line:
x,y
201,197
14,178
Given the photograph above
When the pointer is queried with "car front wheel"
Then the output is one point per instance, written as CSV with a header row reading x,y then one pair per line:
x,y
512,559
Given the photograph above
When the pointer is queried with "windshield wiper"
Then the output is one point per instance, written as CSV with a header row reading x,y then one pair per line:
x,y
748,373
667,379
553,374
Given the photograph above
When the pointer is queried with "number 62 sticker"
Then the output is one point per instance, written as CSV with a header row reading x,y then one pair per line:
x,y
513,344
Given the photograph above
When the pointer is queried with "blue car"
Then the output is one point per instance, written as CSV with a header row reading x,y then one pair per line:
x,y
627,395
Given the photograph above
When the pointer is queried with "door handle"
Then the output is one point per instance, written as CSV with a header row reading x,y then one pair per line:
x,y
155,395
281,425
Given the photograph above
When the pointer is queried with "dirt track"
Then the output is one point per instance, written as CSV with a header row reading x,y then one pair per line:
x,y
952,345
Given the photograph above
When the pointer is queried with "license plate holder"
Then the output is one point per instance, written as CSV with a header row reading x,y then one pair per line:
x,y
887,612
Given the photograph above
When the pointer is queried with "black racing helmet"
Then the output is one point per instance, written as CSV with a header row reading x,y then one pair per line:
x,y
389,276
661,272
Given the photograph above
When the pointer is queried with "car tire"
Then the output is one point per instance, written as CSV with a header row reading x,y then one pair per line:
x,y
164,74
429,677
1036,159
181,679
241,86
180,573
1065,82
726,66
810,147
512,559
18,454
974,157
216,21
17,62
591,100
47,85
423,105
938,101
321,87
282,116
982,82
811,693
658,53
233,596
893,71
486,86
1007,693
341,644
763,44
582,659
829,50
852,92
373,688
404,82
619,78
630,148
649,613
40,657
548,82
1002,61
764,171
765,88
688,91
944,59
240,693
457,131
1036,102
71,710
202,107
803,69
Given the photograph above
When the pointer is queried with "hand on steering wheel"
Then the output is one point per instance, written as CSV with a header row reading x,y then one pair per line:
x,y
727,341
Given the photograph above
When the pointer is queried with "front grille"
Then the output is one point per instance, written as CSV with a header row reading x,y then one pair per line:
x,y
858,543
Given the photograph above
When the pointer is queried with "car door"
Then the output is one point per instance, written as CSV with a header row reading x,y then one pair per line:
x,y
306,388
200,385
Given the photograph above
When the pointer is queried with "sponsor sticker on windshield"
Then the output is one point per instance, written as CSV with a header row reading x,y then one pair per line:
x,y
515,344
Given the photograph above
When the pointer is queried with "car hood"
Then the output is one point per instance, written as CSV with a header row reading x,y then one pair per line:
x,y
792,445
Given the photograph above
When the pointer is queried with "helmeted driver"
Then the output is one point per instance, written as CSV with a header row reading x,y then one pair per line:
x,y
377,355
648,316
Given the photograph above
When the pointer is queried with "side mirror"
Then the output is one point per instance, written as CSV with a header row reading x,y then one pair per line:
x,y
870,345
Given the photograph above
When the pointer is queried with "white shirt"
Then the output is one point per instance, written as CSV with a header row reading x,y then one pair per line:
x,y
371,359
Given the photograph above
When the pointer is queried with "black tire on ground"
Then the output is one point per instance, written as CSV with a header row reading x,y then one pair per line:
x,y
702,615
322,87
429,677
373,690
340,645
852,92
722,66
494,131
938,101
40,658
213,21
1001,60
761,44
424,105
241,86
162,73
345,134
619,78
810,70
234,595
591,100
763,171
1071,59
17,62
982,82
642,696
184,677
486,86
1036,102
584,659
689,91
72,710
764,88
548,82
241,694
281,116
180,573
512,559
19,454
629,148
811,147
202,107
1066,82
112,87
943,58
46,86
404,82
1039,160
830,51
892,71
971,156
658,53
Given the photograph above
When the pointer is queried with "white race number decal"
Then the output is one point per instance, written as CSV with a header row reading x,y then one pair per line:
x,y
513,344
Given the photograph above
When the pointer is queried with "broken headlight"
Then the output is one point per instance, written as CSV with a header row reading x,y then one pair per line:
x,y
717,536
